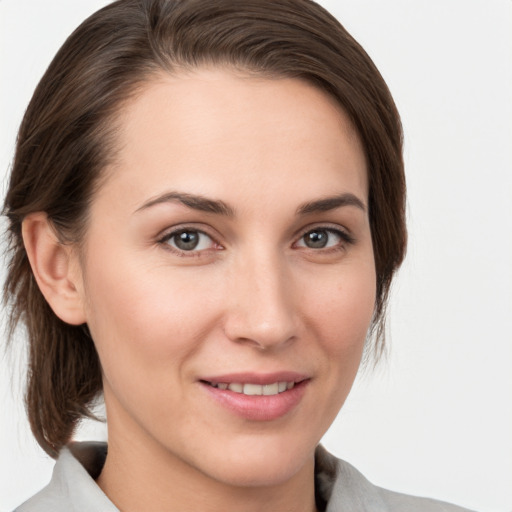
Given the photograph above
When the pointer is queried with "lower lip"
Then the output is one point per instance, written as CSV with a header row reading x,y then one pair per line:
x,y
259,407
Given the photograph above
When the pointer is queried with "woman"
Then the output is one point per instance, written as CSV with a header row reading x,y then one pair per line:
x,y
206,211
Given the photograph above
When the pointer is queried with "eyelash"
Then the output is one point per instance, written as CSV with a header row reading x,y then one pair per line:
x,y
165,241
345,238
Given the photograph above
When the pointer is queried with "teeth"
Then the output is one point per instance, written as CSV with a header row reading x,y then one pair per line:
x,y
237,388
256,389
252,389
271,389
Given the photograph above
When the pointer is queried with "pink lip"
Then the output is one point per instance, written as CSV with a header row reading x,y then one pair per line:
x,y
260,407
257,378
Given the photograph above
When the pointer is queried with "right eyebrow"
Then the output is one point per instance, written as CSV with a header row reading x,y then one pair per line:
x,y
196,202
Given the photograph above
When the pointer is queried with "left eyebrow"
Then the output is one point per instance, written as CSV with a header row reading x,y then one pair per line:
x,y
331,203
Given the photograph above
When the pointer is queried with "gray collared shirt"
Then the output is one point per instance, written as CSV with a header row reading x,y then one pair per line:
x,y
339,487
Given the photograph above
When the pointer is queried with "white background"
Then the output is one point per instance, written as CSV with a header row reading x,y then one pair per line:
x,y
436,418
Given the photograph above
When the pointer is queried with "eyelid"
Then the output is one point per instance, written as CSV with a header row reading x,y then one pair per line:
x,y
164,236
333,228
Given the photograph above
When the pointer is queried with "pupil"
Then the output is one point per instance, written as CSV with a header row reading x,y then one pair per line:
x,y
316,239
187,240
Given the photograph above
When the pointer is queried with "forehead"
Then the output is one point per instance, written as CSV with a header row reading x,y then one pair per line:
x,y
221,133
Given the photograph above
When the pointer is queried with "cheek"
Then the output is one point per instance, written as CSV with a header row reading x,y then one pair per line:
x,y
143,319
338,316
342,309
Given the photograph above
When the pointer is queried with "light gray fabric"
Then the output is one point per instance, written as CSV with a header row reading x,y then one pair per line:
x,y
72,489
339,485
352,492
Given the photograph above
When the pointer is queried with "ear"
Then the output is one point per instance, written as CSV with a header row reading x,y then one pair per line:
x,y
55,268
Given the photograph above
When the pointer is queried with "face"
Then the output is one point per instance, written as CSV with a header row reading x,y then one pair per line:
x,y
228,275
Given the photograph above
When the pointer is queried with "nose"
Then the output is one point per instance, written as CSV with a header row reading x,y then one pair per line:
x,y
261,309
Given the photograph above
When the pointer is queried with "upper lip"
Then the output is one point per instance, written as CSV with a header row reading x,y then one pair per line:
x,y
257,378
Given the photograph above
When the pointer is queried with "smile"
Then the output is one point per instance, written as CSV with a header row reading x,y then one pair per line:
x,y
257,396
255,389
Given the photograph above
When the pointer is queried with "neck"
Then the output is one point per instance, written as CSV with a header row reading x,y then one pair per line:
x,y
143,476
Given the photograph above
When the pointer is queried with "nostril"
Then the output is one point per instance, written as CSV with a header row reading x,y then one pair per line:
x,y
261,310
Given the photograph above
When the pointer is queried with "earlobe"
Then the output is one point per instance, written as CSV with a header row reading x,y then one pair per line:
x,y
54,268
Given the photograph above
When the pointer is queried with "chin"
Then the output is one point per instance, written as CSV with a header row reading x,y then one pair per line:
x,y
258,464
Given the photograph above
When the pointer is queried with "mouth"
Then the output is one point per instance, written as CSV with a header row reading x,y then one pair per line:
x,y
252,389
258,397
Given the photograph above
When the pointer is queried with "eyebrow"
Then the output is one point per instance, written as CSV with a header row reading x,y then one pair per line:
x,y
218,207
196,202
331,203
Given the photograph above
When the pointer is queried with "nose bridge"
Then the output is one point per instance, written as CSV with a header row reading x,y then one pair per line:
x,y
261,308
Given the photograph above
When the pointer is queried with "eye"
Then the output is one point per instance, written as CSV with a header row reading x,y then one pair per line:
x,y
188,240
324,238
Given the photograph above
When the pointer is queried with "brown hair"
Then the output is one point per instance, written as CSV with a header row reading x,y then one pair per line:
x,y
68,136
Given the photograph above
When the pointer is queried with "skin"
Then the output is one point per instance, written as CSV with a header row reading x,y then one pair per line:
x,y
253,297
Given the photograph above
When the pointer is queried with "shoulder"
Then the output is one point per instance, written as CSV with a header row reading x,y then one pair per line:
x,y
397,502
345,488
72,487
45,500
